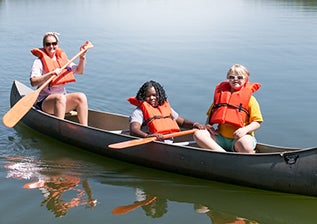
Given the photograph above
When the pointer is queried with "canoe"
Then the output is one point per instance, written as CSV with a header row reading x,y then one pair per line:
x,y
284,169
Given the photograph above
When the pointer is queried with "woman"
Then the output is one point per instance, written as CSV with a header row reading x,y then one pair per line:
x,y
53,99
155,114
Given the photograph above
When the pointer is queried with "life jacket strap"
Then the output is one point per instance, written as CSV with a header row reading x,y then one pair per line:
x,y
240,108
157,117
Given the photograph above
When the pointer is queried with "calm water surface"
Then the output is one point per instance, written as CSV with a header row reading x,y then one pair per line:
x,y
186,45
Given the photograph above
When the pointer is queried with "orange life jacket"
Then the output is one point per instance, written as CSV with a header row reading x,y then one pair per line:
x,y
232,107
50,65
158,119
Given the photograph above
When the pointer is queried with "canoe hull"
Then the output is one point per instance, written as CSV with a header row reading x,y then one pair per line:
x,y
275,168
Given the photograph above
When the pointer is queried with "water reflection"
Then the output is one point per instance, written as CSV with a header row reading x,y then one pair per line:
x,y
64,185
153,206
221,203
64,189
218,217
61,191
157,206
55,188
142,200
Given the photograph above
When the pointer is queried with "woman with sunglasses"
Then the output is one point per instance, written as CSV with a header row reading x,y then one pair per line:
x,y
53,99
233,116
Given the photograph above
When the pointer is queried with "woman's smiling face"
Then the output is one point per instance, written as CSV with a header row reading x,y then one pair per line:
x,y
51,44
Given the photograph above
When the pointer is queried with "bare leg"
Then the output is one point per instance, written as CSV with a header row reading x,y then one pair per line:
x,y
78,101
59,104
55,104
206,141
245,144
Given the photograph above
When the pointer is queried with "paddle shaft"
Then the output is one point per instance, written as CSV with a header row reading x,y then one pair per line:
x,y
17,112
126,144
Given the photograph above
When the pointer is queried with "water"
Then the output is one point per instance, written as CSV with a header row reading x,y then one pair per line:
x,y
187,46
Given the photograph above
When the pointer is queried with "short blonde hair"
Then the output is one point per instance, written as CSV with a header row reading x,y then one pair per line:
x,y
238,70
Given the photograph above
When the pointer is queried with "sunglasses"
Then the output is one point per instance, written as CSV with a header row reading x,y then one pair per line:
x,y
233,77
47,44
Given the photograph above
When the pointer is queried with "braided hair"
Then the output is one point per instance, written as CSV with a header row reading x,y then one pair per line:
x,y
160,92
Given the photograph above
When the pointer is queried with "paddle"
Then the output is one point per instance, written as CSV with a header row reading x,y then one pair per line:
x,y
120,210
17,112
141,141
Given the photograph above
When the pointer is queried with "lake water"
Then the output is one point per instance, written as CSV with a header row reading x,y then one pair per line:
x,y
187,46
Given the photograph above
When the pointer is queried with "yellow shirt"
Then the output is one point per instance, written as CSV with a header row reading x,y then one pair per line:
x,y
227,130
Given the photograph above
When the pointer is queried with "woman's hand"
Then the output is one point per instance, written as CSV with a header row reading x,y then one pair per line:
x,y
57,71
84,47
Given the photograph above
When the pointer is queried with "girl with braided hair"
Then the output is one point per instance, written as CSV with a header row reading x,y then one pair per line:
x,y
154,116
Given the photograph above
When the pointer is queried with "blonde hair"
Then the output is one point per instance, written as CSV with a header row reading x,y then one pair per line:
x,y
53,34
239,70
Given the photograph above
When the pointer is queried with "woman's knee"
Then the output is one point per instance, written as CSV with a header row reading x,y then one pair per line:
x,y
81,98
76,99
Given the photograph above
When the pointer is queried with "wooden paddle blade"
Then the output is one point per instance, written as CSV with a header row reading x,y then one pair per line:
x,y
122,145
88,45
15,114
